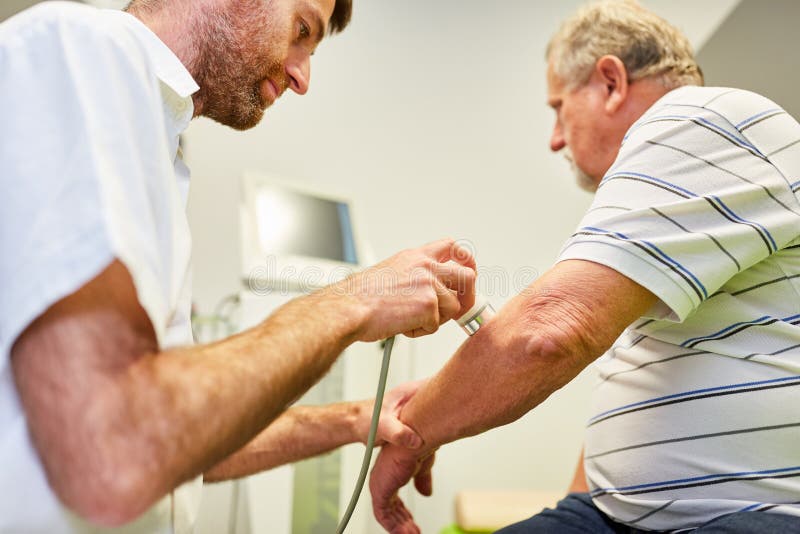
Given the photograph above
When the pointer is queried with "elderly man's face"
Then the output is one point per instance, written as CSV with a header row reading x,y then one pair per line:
x,y
253,50
582,129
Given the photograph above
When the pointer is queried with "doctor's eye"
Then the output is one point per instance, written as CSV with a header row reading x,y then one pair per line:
x,y
305,32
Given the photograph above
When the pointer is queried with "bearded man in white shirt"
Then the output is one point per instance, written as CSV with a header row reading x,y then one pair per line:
x,y
105,407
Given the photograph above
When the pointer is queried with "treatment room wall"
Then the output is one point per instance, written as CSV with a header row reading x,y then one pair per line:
x,y
431,116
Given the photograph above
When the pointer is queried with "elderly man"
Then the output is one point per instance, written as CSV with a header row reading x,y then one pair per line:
x,y
105,408
683,276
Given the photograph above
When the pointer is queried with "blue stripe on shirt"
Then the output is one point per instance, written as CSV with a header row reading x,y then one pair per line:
x,y
745,221
768,239
756,116
726,329
697,479
623,174
728,135
735,325
748,508
695,391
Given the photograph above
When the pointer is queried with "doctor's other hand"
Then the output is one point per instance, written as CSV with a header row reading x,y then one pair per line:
x,y
393,469
414,291
390,428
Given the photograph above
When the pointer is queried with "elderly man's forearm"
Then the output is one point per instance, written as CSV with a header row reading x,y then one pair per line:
x,y
537,343
488,384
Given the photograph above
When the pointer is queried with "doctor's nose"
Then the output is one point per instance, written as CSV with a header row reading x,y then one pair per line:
x,y
299,73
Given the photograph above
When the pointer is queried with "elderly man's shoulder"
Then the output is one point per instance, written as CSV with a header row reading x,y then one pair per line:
x,y
735,104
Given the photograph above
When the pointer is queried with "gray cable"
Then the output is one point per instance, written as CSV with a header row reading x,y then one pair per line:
x,y
373,430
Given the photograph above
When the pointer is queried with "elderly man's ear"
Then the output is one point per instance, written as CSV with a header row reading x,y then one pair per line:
x,y
612,74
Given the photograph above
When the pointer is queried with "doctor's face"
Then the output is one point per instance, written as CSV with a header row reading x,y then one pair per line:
x,y
253,50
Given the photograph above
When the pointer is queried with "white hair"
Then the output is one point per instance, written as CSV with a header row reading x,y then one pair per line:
x,y
646,44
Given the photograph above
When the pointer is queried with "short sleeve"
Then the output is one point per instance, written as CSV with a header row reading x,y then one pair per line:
x,y
86,173
688,204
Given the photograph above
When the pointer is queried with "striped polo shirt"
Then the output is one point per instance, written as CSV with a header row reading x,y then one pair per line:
x,y
696,413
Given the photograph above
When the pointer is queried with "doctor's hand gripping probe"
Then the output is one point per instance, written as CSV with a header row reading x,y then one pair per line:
x,y
470,322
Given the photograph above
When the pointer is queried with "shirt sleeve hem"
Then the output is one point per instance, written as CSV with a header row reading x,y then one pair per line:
x,y
675,303
81,261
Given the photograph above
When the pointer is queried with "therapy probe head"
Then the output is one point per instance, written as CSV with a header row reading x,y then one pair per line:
x,y
476,316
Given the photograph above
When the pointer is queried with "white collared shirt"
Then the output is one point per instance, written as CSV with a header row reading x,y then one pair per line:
x,y
92,105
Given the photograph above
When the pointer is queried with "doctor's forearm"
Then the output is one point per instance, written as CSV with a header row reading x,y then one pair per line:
x,y
300,432
229,391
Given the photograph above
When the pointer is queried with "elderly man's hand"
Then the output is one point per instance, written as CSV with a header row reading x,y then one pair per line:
x,y
394,468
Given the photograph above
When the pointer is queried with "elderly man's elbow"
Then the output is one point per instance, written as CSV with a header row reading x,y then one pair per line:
x,y
569,348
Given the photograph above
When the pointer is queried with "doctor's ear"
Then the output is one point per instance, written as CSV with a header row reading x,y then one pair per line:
x,y
611,72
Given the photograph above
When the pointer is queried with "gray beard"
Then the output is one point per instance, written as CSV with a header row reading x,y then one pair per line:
x,y
584,181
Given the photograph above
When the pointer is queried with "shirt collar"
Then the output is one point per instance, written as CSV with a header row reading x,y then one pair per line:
x,y
168,68
177,84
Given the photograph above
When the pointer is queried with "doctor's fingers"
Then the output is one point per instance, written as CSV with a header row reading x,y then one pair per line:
x,y
448,306
455,276
449,249
392,430
460,281
449,303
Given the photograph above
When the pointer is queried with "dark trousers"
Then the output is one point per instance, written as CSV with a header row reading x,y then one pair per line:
x,y
576,514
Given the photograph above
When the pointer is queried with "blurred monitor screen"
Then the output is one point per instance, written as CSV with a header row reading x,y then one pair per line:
x,y
293,223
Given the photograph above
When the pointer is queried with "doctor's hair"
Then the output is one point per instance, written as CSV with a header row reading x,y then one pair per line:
x,y
144,6
647,45
340,17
